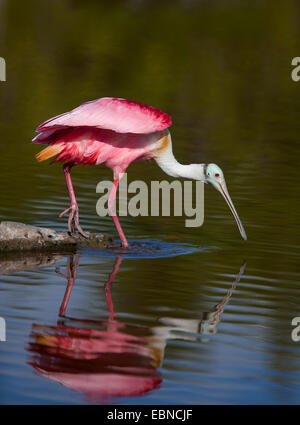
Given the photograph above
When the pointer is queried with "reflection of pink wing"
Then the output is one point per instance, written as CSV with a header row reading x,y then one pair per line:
x,y
120,115
102,364
101,386
110,361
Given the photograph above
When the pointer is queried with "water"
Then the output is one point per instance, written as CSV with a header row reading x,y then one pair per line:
x,y
188,315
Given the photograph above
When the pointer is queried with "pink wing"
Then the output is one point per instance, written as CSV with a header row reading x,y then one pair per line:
x,y
120,115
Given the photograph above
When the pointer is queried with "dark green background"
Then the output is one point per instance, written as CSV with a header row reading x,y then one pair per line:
x,y
222,70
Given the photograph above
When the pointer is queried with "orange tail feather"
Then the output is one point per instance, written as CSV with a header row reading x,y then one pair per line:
x,y
48,152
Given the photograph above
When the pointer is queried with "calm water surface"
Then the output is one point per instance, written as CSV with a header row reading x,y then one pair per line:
x,y
188,315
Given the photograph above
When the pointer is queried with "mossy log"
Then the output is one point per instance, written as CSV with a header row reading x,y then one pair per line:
x,y
24,237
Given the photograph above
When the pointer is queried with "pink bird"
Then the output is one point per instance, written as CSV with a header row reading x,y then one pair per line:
x,y
117,132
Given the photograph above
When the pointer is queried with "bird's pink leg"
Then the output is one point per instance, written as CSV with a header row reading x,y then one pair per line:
x,y
72,272
112,211
108,286
73,208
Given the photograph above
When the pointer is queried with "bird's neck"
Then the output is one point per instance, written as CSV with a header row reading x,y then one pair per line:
x,y
166,160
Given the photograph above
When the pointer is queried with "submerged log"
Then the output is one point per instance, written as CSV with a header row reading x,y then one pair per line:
x,y
24,237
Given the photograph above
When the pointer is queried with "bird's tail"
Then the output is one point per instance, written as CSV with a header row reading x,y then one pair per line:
x,y
48,152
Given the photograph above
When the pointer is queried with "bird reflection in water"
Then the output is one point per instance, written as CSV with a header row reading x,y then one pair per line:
x,y
107,359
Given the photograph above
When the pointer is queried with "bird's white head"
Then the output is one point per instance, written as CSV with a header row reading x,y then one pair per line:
x,y
214,176
207,173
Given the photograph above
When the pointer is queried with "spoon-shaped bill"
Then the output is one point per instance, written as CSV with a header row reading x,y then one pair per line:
x,y
221,187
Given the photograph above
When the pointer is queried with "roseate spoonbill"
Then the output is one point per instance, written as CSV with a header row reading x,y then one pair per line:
x,y
117,132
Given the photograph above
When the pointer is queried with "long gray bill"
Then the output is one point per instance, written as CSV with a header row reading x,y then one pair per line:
x,y
221,187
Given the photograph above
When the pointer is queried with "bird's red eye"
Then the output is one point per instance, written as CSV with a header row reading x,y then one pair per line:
x,y
217,175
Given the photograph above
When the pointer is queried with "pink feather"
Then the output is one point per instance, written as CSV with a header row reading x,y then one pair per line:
x,y
120,115
110,131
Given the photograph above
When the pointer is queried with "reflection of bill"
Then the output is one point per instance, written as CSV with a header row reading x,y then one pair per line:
x,y
188,329
208,324
106,359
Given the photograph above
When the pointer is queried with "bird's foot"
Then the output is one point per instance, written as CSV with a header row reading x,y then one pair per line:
x,y
73,221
